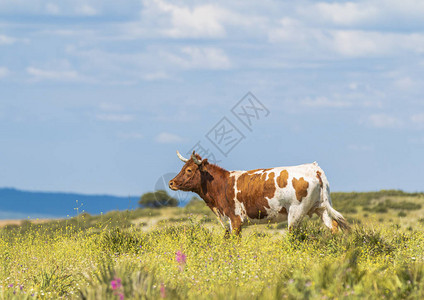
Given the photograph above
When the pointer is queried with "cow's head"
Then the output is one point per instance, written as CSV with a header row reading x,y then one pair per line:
x,y
190,176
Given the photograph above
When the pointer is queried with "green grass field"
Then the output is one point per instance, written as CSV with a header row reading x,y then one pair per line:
x,y
177,253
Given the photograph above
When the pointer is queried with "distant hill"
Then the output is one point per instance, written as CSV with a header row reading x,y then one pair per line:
x,y
17,204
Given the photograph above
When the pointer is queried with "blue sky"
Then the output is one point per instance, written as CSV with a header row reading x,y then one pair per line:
x,y
96,96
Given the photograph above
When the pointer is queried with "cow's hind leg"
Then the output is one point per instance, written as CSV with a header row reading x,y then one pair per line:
x,y
294,217
329,222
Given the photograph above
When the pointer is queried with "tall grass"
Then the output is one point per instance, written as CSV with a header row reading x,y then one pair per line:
x,y
308,263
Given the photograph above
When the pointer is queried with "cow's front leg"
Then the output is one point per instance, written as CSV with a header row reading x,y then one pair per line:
x,y
228,226
222,220
219,217
236,223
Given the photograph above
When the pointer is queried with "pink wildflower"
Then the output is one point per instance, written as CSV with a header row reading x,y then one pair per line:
x,y
180,257
116,283
162,290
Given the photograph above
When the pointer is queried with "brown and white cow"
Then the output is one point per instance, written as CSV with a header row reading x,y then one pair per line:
x,y
260,196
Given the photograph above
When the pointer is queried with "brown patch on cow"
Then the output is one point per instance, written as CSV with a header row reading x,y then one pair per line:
x,y
283,211
257,170
335,227
301,188
282,179
230,194
319,178
254,189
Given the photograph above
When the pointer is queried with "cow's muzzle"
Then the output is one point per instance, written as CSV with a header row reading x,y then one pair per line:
x,y
172,185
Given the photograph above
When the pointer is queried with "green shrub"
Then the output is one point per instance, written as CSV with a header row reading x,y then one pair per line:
x,y
379,208
346,202
402,214
372,242
403,205
118,242
157,199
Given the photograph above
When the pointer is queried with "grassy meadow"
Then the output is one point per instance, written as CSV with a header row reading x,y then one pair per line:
x,y
180,253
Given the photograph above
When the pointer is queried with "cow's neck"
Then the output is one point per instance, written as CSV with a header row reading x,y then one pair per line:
x,y
214,184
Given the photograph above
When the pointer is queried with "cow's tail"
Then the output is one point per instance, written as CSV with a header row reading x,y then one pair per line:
x,y
325,196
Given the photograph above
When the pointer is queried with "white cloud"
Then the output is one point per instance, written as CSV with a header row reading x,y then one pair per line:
x,y
347,13
405,83
342,97
382,120
52,9
201,21
363,13
290,30
56,70
124,118
110,107
356,43
365,43
195,20
45,74
418,118
168,138
4,72
295,34
353,86
406,11
7,40
60,8
88,34
155,76
201,58
324,102
154,64
113,112
86,10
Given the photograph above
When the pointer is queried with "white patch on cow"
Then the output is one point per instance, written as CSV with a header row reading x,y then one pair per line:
x,y
240,210
257,172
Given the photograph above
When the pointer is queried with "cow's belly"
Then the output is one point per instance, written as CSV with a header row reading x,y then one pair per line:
x,y
270,219
277,207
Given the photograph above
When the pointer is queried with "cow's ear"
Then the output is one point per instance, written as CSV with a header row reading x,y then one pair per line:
x,y
204,165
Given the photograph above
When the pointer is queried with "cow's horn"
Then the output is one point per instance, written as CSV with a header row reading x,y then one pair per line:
x,y
196,161
181,157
